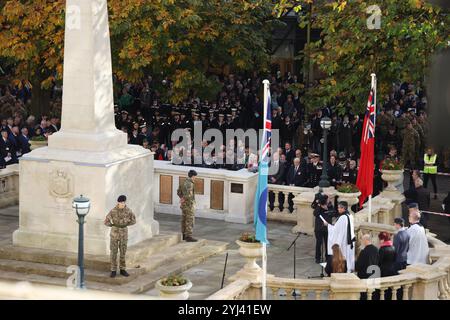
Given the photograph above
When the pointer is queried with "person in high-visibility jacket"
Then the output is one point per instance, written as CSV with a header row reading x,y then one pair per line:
x,y
430,169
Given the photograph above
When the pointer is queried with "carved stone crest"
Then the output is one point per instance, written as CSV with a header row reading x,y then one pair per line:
x,y
61,183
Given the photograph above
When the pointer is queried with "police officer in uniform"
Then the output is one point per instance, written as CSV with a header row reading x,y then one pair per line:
x,y
187,202
119,218
430,169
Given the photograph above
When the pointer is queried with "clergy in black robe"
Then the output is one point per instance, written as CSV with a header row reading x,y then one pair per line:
x,y
367,257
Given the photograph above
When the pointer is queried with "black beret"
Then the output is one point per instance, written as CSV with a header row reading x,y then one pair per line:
x,y
192,173
122,198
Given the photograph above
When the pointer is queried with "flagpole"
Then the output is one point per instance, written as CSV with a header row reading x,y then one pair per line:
x,y
374,87
264,245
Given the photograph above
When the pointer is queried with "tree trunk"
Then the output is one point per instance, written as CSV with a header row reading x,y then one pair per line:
x,y
40,100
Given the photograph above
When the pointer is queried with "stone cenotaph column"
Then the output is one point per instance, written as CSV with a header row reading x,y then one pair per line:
x,y
88,156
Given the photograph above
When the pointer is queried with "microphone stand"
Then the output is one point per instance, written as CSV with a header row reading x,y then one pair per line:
x,y
294,244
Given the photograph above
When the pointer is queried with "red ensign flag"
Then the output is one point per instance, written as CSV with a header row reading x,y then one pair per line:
x,y
366,165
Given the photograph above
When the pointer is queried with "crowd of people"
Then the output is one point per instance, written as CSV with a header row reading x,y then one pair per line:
x,y
335,244
402,127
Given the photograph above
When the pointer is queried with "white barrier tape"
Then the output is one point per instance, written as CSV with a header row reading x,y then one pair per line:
x,y
436,213
438,174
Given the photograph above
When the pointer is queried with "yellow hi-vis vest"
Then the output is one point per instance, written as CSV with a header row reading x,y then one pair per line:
x,y
430,164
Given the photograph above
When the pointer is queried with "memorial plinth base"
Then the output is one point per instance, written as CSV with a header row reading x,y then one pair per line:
x,y
51,177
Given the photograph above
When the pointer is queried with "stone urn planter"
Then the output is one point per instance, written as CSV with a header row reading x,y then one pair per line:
x,y
174,292
251,271
37,144
391,177
350,198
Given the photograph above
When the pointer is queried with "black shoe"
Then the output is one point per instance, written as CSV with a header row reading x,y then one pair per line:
x,y
113,274
190,239
317,260
124,273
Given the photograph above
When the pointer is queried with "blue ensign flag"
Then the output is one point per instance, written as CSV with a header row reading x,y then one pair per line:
x,y
260,206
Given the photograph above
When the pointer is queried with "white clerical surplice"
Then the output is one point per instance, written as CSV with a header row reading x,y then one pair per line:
x,y
337,234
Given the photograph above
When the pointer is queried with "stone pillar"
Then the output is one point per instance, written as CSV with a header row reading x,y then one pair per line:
x,y
88,155
397,199
427,285
346,286
241,197
305,217
253,293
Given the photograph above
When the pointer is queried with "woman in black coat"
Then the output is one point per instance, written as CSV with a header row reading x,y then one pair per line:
x,y
386,255
386,263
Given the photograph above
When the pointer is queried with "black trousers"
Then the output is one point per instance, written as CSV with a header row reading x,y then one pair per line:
x,y
321,244
427,176
290,202
272,203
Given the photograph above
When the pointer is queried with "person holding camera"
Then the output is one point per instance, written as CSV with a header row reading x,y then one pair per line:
x,y
321,208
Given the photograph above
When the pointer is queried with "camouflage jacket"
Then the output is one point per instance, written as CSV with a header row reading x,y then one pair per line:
x,y
120,218
187,190
410,137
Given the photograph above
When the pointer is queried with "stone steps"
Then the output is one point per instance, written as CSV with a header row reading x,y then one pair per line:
x,y
147,281
175,259
137,252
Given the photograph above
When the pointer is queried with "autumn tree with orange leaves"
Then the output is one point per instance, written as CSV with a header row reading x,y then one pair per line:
x,y
184,40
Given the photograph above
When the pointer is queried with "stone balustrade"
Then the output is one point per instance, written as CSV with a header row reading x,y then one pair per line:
x,y
28,291
9,186
302,288
416,282
282,194
234,291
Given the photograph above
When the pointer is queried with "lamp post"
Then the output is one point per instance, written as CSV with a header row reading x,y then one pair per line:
x,y
81,206
325,123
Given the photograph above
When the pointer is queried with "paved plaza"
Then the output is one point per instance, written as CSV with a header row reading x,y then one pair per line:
x,y
207,276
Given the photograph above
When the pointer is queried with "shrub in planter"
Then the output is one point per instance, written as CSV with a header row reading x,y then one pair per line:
x,y
392,164
347,188
248,237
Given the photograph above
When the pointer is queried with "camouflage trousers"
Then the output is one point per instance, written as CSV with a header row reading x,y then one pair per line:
x,y
187,221
118,245
409,157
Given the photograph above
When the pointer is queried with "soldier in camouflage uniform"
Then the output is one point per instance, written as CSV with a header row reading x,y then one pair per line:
x,y
384,122
410,137
119,218
187,203
422,141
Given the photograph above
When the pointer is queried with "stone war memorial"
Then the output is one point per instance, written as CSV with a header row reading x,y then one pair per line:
x,y
87,157
108,192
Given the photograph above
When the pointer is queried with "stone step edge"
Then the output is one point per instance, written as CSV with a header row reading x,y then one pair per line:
x,y
102,276
67,259
206,252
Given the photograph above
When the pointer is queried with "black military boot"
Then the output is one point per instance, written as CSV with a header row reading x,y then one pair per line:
x,y
124,273
190,239
113,274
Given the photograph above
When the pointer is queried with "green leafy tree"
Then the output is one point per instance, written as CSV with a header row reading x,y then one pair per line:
x,y
348,52
185,40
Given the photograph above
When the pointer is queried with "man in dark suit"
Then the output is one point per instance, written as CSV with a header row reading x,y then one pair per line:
x,y
401,243
296,176
7,150
24,140
289,152
423,200
277,176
